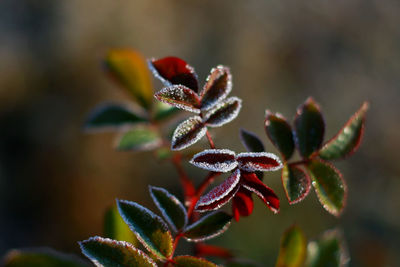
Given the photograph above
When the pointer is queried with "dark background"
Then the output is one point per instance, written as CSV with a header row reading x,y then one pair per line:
x,y
56,181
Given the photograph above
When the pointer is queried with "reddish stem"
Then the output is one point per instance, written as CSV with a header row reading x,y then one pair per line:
x,y
187,184
210,140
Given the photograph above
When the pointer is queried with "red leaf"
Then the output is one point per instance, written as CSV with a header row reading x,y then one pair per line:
x,y
220,195
242,204
258,161
187,133
224,112
253,184
179,96
217,87
218,160
173,70
205,250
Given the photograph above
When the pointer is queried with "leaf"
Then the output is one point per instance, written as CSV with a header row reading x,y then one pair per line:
x,y
139,138
163,111
251,141
266,194
348,139
149,228
217,160
115,227
217,87
242,204
280,133
179,96
187,133
258,161
108,252
171,208
224,112
219,195
129,69
209,226
111,117
44,257
292,252
206,250
296,183
190,261
173,70
328,251
329,186
310,127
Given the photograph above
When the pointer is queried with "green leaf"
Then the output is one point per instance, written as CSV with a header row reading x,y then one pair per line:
x,y
111,117
44,257
171,208
190,261
130,70
348,139
292,252
310,127
296,183
209,226
251,141
328,251
108,252
149,228
115,227
141,137
329,186
163,111
280,133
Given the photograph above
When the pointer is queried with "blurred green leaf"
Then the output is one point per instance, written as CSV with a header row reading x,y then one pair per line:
x,y
292,252
139,138
149,228
310,127
130,70
43,257
251,141
348,139
112,116
163,111
190,261
171,208
163,153
115,227
296,183
329,186
108,252
280,133
209,226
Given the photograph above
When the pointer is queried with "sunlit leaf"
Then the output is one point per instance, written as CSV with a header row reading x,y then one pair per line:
x,y
242,203
129,69
149,228
190,261
115,227
163,111
224,112
107,252
44,257
171,208
217,87
209,226
329,186
310,127
266,194
217,160
179,96
173,70
293,249
139,138
258,161
220,195
296,183
348,139
187,133
280,133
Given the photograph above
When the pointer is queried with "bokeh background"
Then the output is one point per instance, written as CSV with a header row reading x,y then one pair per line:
x,y
56,181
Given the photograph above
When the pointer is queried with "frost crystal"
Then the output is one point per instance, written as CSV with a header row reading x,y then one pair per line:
x,y
218,160
224,112
258,161
187,133
218,86
179,96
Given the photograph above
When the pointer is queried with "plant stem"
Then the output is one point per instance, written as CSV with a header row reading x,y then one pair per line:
x,y
210,140
187,184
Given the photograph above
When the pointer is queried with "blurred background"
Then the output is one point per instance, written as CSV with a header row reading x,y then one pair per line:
x,y
56,181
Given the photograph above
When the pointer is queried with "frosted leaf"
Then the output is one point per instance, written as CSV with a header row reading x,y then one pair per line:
x,y
179,96
221,194
218,160
217,87
296,183
223,112
187,133
258,161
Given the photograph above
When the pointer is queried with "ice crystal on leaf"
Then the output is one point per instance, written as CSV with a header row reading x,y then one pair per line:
x,y
218,160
